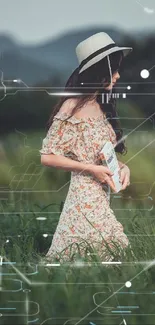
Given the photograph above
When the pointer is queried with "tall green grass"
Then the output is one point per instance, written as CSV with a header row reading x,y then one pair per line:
x,y
73,290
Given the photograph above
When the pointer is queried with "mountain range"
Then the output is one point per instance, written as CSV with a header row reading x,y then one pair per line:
x,y
50,59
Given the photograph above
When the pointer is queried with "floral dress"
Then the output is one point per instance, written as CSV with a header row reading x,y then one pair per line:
x,y
87,225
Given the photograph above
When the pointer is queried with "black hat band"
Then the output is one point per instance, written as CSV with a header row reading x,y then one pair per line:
x,y
103,49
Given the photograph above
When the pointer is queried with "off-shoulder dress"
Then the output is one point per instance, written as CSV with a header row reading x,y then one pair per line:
x,y
87,224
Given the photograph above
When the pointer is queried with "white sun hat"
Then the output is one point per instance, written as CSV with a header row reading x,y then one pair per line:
x,y
95,48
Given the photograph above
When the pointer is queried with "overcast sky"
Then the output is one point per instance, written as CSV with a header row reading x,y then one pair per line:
x,y
32,21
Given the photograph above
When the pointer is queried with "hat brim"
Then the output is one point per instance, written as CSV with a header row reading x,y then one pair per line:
x,y
126,51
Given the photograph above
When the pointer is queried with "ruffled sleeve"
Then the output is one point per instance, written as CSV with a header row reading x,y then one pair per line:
x,y
61,136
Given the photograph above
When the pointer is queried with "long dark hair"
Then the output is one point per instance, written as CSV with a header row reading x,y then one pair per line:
x,y
91,83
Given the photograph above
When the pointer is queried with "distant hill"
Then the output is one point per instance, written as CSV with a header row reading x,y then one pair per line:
x,y
38,63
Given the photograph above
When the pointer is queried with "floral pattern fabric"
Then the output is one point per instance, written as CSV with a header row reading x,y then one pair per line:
x,y
87,225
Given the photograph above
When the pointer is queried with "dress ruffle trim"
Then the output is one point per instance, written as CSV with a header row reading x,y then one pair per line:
x,y
74,120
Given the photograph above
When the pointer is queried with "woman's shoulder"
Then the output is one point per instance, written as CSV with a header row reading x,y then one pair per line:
x,y
65,111
68,106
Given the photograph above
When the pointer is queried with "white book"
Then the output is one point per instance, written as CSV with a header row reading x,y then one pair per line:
x,y
109,158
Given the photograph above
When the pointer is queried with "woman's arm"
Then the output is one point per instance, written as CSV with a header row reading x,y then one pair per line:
x,y
124,174
124,167
121,165
65,163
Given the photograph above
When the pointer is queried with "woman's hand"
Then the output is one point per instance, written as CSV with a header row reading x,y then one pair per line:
x,y
103,174
124,173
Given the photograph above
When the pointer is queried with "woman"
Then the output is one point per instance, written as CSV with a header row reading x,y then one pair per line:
x,y
78,128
